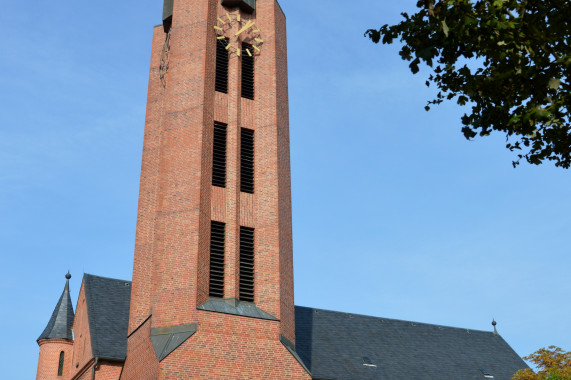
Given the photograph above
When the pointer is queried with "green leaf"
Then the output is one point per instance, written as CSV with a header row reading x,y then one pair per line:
x,y
554,83
507,59
445,28
414,66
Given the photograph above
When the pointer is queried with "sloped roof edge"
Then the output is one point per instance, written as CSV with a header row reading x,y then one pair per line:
x,y
61,321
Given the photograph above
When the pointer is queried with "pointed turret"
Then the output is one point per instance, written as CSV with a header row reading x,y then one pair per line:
x,y
61,322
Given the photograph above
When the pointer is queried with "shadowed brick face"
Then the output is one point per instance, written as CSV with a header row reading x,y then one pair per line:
x,y
141,363
177,204
82,353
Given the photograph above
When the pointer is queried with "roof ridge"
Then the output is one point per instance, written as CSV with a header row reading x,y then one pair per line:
x,y
105,278
399,320
90,312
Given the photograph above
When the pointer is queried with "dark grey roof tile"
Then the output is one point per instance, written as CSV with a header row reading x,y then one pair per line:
x,y
108,302
333,344
61,321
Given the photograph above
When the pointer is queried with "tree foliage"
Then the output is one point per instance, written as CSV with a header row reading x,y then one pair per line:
x,y
509,60
553,364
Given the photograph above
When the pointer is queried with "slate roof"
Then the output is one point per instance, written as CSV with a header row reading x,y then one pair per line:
x,y
61,322
107,303
333,344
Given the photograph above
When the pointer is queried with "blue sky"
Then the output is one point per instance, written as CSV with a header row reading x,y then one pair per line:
x,y
395,213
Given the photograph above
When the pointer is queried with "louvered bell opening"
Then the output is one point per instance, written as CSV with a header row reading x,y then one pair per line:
x,y
222,66
247,73
247,264
247,161
217,260
219,155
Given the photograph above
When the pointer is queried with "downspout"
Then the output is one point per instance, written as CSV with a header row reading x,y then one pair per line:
x,y
94,365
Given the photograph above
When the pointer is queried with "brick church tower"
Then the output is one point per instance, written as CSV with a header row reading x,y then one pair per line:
x,y
212,289
212,292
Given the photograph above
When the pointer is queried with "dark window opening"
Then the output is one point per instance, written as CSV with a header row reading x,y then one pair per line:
x,y
247,161
221,66
247,264
247,73
60,366
217,259
219,155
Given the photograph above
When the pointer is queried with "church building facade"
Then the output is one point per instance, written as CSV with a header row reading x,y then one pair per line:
x,y
212,290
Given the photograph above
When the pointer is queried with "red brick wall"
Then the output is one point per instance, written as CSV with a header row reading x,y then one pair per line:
x,y
148,191
108,371
82,353
273,167
141,363
48,362
103,371
230,347
85,375
177,203
183,211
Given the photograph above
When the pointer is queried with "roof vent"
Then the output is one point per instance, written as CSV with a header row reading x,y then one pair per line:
x,y
367,362
486,374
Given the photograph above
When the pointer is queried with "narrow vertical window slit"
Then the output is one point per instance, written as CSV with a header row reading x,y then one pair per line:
x,y
247,73
247,161
221,66
60,365
219,155
217,259
247,264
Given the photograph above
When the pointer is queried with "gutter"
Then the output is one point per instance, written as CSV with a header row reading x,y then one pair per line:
x,y
94,365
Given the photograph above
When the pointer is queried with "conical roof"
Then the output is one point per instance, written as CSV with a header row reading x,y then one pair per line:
x,y
61,322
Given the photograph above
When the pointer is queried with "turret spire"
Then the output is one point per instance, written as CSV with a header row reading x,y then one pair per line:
x,y
59,326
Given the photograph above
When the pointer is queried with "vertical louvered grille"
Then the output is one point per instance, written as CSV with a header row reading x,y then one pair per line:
x,y
247,73
219,155
217,259
247,264
247,161
221,66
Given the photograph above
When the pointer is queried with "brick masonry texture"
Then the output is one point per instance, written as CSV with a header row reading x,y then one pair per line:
x,y
108,371
48,362
177,203
82,355
141,363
